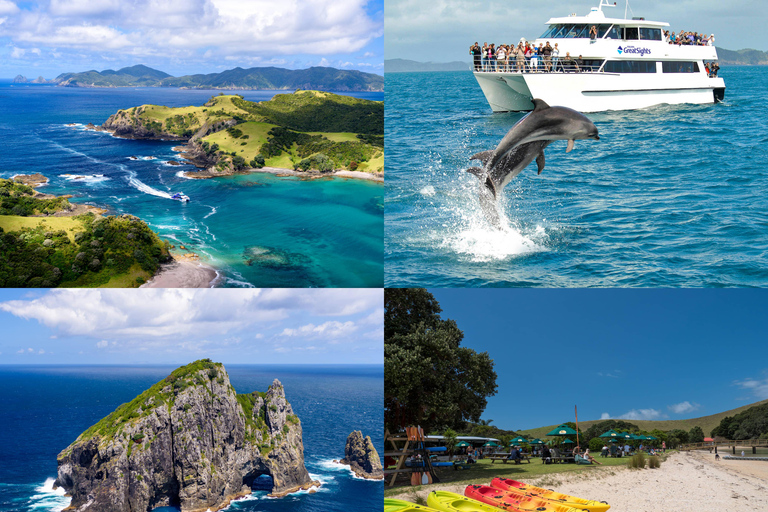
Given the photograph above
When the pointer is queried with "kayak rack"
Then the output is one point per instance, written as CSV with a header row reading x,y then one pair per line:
x,y
413,445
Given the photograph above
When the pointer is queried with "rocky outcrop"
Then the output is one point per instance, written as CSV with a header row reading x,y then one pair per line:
x,y
362,457
32,180
19,79
189,441
129,124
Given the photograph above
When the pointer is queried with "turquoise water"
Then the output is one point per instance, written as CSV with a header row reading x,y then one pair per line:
x,y
318,233
670,196
47,407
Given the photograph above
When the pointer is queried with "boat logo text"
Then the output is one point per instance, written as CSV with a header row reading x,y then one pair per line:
x,y
634,49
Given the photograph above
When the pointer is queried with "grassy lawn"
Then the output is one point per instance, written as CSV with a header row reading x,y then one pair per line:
x,y
15,223
337,137
128,280
484,471
375,164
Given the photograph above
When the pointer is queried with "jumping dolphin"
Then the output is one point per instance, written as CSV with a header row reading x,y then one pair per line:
x,y
545,123
523,143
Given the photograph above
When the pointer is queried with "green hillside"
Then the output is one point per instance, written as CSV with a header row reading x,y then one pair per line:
x,y
304,130
707,423
268,78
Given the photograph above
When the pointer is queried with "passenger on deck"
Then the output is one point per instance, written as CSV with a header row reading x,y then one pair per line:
x,y
555,57
580,64
520,58
711,40
501,59
547,52
476,53
491,57
592,33
485,56
535,58
569,65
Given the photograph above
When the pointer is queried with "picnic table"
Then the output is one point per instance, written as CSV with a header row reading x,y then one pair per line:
x,y
504,457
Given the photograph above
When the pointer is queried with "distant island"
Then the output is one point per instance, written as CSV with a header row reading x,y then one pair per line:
x,y
745,57
266,78
305,131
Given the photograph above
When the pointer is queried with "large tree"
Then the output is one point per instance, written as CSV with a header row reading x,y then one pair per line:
x,y
429,378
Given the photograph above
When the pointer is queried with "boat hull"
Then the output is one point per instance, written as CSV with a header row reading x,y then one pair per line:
x,y
596,92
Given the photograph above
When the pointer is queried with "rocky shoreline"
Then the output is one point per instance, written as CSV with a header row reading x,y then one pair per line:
x,y
361,457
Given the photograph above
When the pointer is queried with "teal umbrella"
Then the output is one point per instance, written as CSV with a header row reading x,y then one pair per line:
x,y
490,443
562,430
518,440
611,434
568,441
536,441
462,444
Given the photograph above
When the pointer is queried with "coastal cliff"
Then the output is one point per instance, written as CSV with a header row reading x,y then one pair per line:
x,y
189,441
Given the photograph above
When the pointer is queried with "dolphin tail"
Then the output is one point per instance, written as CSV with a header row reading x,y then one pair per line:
x,y
489,207
476,171
483,156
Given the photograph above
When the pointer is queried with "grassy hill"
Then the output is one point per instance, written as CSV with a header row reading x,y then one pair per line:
x,y
268,78
707,423
306,129
745,57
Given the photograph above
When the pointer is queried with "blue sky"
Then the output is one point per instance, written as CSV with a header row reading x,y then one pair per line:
x,y
50,37
634,354
443,30
146,326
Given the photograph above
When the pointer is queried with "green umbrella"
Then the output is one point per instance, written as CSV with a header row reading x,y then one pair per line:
x,y
518,440
612,441
462,444
490,443
562,430
568,441
611,433
536,441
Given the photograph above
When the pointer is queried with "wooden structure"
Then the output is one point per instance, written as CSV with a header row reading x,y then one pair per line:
x,y
746,443
401,453
504,457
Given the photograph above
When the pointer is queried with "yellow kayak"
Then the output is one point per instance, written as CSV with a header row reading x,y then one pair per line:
x,y
393,505
506,484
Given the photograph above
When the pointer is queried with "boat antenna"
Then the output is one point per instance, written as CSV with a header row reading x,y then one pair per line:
x,y
605,3
630,10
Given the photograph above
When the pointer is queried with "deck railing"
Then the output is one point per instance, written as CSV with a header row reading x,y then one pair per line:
x,y
730,444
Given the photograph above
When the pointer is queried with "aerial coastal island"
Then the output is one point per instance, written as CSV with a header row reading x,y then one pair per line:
x,y
301,132
190,441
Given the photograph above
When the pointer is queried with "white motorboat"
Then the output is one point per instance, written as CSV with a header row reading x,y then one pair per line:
x,y
626,65
180,196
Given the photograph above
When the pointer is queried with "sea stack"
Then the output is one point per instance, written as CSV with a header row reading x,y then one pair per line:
x,y
189,441
362,457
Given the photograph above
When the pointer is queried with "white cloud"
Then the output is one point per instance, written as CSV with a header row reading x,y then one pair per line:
x,y
102,344
21,351
758,387
180,27
8,7
17,53
176,313
683,407
636,414
41,351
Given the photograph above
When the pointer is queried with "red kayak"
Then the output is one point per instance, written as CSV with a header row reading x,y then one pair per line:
x,y
505,484
513,501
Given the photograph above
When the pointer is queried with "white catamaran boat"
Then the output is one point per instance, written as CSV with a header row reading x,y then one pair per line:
x,y
628,65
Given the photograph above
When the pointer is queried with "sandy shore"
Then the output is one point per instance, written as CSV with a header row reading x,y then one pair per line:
x,y
314,174
685,482
183,272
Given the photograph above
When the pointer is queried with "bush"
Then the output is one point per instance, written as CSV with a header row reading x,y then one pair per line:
x,y
654,462
637,461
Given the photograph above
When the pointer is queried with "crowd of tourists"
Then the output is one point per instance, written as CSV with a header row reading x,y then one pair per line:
x,y
524,58
683,38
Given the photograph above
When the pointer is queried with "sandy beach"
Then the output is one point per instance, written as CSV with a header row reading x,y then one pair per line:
x,y
685,482
185,271
315,174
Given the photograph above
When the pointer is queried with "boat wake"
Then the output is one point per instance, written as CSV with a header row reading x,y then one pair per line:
x,y
90,179
143,187
45,498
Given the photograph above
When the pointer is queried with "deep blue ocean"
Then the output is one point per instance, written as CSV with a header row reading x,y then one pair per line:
x,y
45,408
326,232
671,196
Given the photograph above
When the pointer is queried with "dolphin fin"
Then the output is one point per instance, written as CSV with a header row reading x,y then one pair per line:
x,y
476,171
570,146
539,104
540,162
483,156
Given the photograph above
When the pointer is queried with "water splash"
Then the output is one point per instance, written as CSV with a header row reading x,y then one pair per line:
x,y
48,499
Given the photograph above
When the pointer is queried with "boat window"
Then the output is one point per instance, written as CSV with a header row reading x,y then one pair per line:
x,y
614,33
582,31
630,33
679,67
630,66
573,31
650,34
551,30
601,30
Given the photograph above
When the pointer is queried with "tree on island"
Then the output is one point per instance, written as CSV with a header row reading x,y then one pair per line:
x,y
429,379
